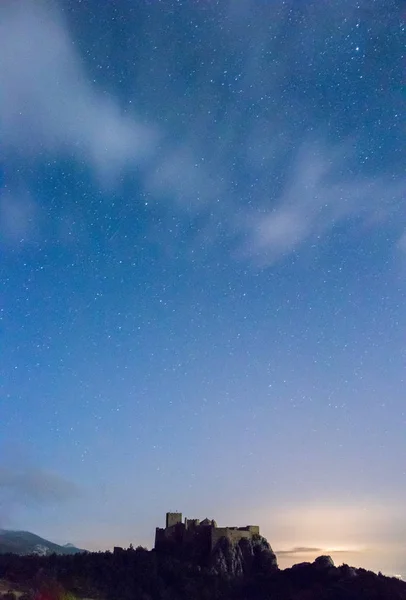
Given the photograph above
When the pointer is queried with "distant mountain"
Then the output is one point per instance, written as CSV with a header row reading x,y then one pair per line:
x,y
24,542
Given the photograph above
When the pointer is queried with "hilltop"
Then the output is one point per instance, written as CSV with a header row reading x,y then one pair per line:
x,y
24,542
232,570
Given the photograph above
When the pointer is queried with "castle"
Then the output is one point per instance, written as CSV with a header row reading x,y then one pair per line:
x,y
202,533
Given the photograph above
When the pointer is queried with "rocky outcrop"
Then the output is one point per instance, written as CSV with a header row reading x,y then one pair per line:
x,y
248,556
323,562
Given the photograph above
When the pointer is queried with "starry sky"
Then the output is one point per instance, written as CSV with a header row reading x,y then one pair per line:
x,y
203,271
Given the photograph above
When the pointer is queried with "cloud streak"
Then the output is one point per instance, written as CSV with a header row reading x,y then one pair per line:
x,y
48,105
308,550
299,550
263,176
321,193
32,487
35,486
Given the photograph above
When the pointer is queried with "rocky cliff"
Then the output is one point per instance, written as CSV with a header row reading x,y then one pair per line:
x,y
245,557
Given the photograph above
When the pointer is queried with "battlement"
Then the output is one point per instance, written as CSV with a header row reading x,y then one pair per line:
x,y
233,534
204,533
191,523
173,519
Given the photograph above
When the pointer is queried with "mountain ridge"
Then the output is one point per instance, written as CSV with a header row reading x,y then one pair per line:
x,y
25,543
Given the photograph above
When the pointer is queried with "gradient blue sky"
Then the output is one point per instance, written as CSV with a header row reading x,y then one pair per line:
x,y
203,271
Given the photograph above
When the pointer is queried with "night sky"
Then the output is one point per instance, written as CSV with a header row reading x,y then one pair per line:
x,y
203,271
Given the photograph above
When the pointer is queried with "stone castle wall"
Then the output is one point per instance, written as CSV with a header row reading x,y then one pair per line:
x,y
205,534
173,519
233,534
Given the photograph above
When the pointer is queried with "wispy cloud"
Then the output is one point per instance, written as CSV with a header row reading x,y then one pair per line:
x,y
299,550
308,550
34,486
321,192
248,158
29,487
26,485
48,104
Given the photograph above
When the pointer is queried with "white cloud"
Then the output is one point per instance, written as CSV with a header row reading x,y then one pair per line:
x,y
321,191
49,106
47,103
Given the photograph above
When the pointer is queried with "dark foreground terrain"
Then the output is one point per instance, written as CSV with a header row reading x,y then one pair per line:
x,y
238,574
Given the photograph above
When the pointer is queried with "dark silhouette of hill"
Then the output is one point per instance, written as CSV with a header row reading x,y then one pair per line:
x,y
140,574
24,542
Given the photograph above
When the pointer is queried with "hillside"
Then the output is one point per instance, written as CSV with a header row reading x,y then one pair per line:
x,y
24,542
150,575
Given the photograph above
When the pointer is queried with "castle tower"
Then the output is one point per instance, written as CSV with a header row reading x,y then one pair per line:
x,y
173,519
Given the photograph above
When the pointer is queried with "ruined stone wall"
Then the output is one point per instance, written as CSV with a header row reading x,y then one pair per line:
x,y
204,535
254,529
173,519
232,534
173,534
192,523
